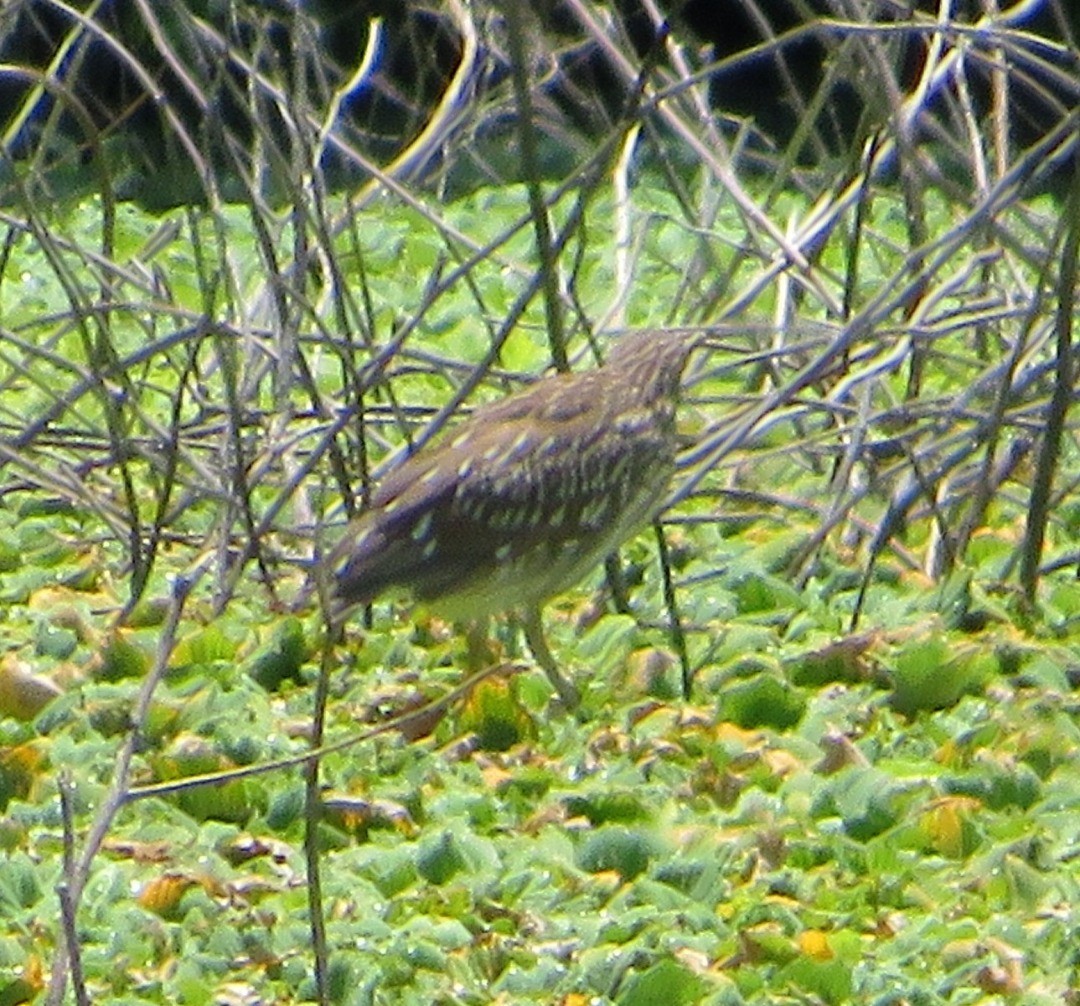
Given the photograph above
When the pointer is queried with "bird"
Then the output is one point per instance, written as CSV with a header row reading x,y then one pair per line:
x,y
523,498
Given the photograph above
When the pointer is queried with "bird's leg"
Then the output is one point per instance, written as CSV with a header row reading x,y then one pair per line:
x,y
479,652
616,583
533,626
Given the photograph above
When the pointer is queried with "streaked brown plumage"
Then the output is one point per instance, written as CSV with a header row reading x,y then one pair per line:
x,y
527,495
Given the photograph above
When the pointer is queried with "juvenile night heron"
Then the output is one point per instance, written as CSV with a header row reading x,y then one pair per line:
x,y
528,494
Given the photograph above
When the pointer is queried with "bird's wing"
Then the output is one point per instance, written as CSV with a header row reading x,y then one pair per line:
x,y
386,544
448,512
538,488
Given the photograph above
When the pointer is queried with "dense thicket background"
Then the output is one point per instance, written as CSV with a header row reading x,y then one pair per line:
x,y
253,252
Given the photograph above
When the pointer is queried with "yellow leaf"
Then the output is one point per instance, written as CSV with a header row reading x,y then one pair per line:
x,y
947,825
814,943
161,896
23,694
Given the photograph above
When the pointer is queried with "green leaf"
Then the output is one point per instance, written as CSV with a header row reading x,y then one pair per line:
x,y
286,806
438,860
609,806
829,980
666,983
19,887
607,644
203,646
621,849
932,673
281,656
764,701
756,593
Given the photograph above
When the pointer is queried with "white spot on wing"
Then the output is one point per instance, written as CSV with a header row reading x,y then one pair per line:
x,y
422,528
